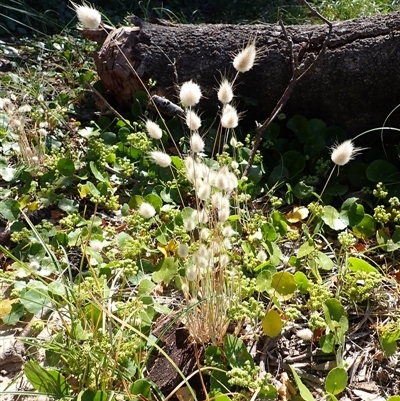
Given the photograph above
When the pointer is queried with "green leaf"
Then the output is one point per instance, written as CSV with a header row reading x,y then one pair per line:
x,y
34,297
356,264
155,201
394,398
283,283
335,309
366,228
327,343
389,347
300,126
96,172
272,323
17,311
8,173
306,248
336,381
141,387
9,209
90,395
236,352
167,269
219,381
68,205
331,218
351,213
302,282
274,252
46,380
263,279
279,222
381,171
323,261
302,190
66,166
305,393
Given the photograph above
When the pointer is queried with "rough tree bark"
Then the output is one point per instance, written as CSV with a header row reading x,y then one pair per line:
x,y
355,84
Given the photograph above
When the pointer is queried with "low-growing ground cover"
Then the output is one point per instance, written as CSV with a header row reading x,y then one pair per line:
x,y
140,263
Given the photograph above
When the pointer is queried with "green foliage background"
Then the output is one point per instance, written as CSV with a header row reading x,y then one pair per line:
x,y
51,16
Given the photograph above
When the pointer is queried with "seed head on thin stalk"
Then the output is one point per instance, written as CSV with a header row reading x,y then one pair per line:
x,y
88,16
229,117
193,121
341,154
160,158
146,210
190,94
225,91
246,58
153,129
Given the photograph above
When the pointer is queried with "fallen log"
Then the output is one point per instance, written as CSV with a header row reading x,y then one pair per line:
x,y
355,84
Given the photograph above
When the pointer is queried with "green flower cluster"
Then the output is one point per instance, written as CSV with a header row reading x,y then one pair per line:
x,y
346,239
381,215
133,248
250,309
126,166
380,192
316,321
127,266
248,378
98,151
318,295
316,209
275,202
322,167
20,235
71,220
360,285
141,141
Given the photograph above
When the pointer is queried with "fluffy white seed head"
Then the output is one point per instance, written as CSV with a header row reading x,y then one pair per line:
x,y
183,250
228,231
261,256
223,260
196,143
204,234
161,158
191,273
193,121
203,216
25,108
96,245
221,180
230,117
225,91
5,104
189,224
203,251
227,243
146,210
216,200
185,288
89,17
153,129
204,191
246,58
344,152
305,334
223,212
190,94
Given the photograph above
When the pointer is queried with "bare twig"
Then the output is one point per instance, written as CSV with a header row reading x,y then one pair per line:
x,y
297,75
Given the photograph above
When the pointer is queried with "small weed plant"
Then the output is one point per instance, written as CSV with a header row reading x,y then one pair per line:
x,y
117,231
